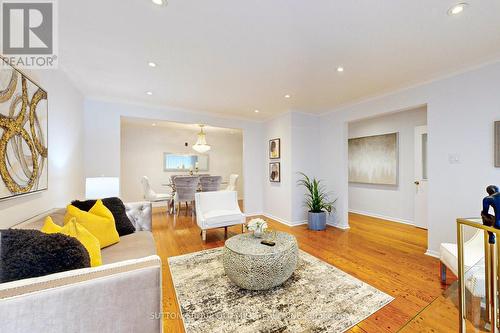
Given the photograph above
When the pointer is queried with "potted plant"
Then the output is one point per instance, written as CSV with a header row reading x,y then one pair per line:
x,y
317,201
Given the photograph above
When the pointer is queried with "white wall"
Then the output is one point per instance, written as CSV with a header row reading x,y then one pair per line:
x,y
394,202
277,196
299,134
143,146
460,115
65,140
306,158
102,141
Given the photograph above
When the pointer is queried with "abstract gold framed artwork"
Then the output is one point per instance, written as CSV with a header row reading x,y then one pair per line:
x,y
23,134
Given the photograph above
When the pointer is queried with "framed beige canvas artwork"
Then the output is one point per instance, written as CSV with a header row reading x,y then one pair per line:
x,y
374,159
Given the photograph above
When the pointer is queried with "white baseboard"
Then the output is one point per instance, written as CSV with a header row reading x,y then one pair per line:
x,y
339,226
283,221
292,224
432,253
383,217
253,214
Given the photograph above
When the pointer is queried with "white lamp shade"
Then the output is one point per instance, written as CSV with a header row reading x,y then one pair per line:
x,y
201,148
102,187
201,145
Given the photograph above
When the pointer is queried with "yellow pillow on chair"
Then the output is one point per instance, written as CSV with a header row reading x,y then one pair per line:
x,y
76,230
99,221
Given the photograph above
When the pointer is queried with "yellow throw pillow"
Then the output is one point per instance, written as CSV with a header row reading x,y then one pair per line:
x,y
76,230
100,210
102,228
49,227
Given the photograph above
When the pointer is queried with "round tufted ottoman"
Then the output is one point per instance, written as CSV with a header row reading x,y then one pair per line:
x,y
252,265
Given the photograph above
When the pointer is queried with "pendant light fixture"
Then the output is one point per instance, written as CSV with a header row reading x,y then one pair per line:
x,y
201,145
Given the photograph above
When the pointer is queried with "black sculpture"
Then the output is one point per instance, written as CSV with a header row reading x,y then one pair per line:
x,y
492,200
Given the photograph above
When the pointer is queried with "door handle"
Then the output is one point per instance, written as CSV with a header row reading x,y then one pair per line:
x,y
416,182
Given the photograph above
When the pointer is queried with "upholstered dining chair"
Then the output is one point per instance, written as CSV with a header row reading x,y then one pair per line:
x,y
210,183
151,196
233,180
185,189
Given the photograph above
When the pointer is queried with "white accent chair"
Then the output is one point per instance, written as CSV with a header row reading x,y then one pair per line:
x,y
151,196
216,210
233,180
474,273
473,253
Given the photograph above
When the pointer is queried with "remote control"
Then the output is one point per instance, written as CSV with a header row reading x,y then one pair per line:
x,y
268,243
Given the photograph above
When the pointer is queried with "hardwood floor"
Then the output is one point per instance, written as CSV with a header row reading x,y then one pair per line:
x,y
387,255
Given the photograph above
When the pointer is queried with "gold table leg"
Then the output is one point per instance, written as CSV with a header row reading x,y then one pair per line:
x,y
461,285
487,274
493,288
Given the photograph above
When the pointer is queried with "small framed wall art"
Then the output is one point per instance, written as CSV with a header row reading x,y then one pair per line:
x,y
274,172
274,149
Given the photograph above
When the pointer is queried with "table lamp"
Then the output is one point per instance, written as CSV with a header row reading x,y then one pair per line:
x,y
102,187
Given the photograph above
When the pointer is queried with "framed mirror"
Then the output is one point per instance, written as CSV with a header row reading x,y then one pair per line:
x,y
184,162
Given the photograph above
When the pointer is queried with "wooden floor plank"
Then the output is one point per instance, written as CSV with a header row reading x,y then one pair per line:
x,y
387,255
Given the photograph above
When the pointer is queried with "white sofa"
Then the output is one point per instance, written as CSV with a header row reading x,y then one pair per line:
x,y
216,210
122,295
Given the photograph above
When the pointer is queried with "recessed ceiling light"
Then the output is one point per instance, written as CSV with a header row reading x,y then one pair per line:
x,y
457,9
256,111
149,93
287,96
159,2
340,69
152,64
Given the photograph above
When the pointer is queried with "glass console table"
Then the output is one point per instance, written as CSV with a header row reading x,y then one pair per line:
x,y
471,303
480,281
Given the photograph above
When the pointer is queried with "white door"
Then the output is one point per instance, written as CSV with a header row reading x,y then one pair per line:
x,y
421,182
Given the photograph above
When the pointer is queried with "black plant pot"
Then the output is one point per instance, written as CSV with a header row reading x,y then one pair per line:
x,y
316,221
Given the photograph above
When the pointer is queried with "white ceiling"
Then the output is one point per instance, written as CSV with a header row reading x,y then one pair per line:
x,y
195,128
234,56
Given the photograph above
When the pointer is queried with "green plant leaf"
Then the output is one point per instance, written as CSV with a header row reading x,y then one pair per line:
x,y
316,197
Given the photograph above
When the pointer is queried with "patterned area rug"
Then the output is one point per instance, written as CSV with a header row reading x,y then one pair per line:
x,y
317,298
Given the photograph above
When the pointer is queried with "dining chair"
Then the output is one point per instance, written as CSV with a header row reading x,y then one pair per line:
x,y
233,180
185,189
210,183
151,196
